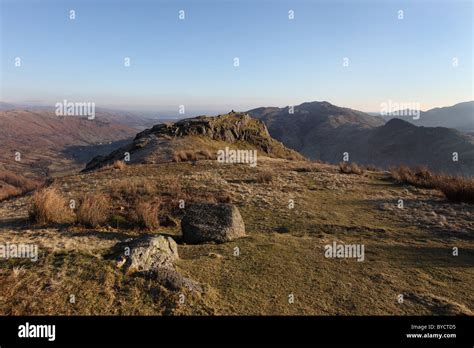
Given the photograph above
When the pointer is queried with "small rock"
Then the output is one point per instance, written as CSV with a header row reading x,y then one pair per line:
x,y
173,280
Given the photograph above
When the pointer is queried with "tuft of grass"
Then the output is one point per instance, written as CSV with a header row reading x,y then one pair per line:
x,y
146,215
191,156
131,190
350,168
119,165
7,191
420,177
206,154
457,189
454,188
12,184
176,157
94,210
182,156
49,207
264,177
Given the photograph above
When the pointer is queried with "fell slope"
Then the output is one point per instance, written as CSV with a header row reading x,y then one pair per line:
x,y
43,139
407,251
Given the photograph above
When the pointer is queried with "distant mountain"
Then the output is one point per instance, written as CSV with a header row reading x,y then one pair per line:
x,y
136,119
400,142
313,127
6,106
234,130
320,130
43,140
459,116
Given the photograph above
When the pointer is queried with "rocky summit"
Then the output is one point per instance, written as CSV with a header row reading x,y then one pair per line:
x,y
159,143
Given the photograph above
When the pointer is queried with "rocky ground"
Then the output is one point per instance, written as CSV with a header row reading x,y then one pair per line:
x,y
278,268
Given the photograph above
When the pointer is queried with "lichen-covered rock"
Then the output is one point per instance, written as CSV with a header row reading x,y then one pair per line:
x,y
153,257
146,253
218,223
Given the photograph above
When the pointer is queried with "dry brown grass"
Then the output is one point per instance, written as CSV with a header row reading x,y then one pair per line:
x,y
373,168
182,156
12,184
173,187
420,177
131,190
264,177
191,155
50,207
45,288
119,165
455,188
8,191
206,154
350,168
146,215
175,157
102,288
94,210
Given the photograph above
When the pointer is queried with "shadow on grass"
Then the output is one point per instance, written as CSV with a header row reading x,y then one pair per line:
x,y
421,257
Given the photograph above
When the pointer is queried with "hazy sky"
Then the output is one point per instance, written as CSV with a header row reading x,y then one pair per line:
x,y
282,61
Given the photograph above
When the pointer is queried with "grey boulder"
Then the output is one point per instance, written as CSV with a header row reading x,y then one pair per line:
x,y
153,256
217,223
146,253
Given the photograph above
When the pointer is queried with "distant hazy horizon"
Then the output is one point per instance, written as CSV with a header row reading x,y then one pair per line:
x,y
174,113
355,54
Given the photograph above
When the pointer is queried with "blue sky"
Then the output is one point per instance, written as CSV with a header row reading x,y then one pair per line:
x,y
282,62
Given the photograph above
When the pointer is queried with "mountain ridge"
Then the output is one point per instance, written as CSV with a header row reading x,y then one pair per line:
x,y
322,131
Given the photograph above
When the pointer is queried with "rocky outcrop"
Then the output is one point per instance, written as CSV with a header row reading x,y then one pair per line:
x,y
229,128
219,223
153,256
232,128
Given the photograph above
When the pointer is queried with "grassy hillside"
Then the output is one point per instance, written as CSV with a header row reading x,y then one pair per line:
x,y
408,251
